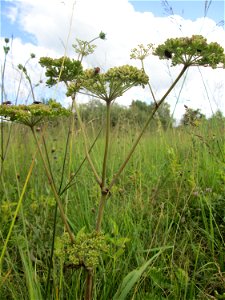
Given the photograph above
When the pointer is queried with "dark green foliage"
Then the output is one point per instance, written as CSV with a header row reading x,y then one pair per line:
x,y
134,115
140,111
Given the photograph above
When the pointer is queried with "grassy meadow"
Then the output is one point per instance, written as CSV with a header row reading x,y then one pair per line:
x,y
164,219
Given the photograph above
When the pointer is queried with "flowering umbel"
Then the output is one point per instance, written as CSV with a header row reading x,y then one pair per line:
x,y
84,252
192,51
33,114
111,84
141,51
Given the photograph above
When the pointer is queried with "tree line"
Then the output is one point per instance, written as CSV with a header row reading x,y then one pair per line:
x,y
138,111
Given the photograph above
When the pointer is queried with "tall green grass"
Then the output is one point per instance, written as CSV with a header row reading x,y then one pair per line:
x,y
167,208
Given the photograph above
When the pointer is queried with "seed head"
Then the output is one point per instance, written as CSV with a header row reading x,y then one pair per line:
x,y
102,35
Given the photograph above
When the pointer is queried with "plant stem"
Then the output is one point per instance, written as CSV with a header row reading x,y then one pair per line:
x,y
98,179
104,191
52,185
2,129
71,124
54,224
31,87
89,285
50,264
115,177
104,167
104,196
69,184
149,85
103,199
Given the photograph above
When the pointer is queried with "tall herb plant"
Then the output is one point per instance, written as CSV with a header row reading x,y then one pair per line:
x,y
85,249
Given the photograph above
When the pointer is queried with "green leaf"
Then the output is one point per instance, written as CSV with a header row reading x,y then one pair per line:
x,y
132,278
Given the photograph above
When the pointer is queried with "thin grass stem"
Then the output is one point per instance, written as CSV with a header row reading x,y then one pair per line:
x,y
51,182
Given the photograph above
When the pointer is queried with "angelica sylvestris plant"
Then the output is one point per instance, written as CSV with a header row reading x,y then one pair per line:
x,y
110,85
106,86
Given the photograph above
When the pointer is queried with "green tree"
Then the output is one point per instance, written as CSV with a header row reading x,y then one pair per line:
x,y
164,115
140,111
94,110
217,117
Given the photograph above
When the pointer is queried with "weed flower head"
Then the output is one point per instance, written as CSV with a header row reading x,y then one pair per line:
x,y
84,252
192,51
110,85
141,52
31,115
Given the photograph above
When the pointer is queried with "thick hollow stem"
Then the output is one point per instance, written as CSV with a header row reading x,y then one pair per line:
x,y
104,191
89,285
101,211
52,185
104,167
145,126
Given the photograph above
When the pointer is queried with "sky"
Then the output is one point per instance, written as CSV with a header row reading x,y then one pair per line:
x,y
49,28
191,9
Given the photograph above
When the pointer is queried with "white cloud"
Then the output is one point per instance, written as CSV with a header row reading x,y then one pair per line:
x,y
20,54
49,21
12,13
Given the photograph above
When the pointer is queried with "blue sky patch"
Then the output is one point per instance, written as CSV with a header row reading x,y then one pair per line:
x,y
191,9
13,28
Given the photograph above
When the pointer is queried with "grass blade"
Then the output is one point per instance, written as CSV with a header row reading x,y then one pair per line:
x,y
17,211
132,278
